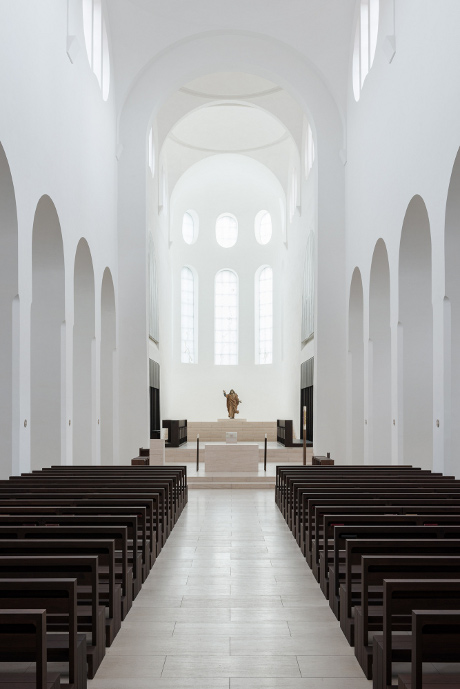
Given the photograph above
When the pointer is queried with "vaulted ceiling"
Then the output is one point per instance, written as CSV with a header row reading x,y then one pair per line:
x,y
320,30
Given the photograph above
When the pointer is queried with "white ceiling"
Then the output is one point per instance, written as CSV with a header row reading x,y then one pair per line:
x,y
320,30
228,128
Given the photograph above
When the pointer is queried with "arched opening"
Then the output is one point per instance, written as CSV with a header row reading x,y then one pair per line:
x,y
8,291
83,357
416,318
452,259
356,352
47,317
380,358
108,346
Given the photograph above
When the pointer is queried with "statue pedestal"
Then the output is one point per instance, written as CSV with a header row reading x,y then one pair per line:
x,y
157,452
231,458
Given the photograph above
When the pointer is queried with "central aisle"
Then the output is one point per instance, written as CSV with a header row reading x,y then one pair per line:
x,y
230,604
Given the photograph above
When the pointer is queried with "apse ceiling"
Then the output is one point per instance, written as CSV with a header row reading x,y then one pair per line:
x,y
228,128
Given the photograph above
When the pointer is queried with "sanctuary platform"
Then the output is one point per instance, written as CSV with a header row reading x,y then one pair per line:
x,y
248,431
234,476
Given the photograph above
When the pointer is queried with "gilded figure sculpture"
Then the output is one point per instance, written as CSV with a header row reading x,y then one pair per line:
x,y
232,403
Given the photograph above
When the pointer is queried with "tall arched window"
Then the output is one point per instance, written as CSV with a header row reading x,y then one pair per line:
x,y
365,43
97,44
264,315
151,153
263,227
190,227
308,297
154,328
226,318
187,316
309,151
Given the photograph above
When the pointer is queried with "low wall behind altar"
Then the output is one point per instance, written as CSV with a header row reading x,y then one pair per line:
x,y
248,431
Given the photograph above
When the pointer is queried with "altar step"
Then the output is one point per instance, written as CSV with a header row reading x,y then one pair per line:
x,y
278,455
231,481
214,431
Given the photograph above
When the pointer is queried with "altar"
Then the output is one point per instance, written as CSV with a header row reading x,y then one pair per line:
x,y
239,457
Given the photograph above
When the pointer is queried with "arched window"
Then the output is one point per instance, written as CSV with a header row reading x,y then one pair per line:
x,y
309,151
190,227
365,43
308,297
97,44
293,195
187,316
226,318
263,227
264,315
226,230
151,153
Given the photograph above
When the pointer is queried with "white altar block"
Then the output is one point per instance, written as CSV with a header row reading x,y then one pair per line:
x,y
231,437
231,458
157,452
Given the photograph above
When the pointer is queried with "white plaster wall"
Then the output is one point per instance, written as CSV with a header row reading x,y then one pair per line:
x,y
59,138
403,137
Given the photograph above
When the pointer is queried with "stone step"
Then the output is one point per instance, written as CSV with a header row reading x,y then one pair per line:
x,y
233,485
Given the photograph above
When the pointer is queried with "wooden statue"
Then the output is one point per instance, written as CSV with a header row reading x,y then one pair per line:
x,y
232,403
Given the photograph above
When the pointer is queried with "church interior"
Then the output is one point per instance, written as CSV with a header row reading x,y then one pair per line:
x,y
230,344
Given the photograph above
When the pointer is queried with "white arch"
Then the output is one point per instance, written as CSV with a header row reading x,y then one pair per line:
x,y
9,355
84,355
379,357
47,317
356,363
416,323
107,368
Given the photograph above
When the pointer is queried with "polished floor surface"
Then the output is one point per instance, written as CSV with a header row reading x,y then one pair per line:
x,y
230,603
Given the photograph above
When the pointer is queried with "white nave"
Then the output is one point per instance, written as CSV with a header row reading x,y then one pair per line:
x,y
339,120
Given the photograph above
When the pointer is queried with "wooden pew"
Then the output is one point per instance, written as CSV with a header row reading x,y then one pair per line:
x,y
62,533
92,510
82,499
339,571
435,638
408,504
26,630
323,544
42,490
400,598
90,617
58,597
110,593
351,588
